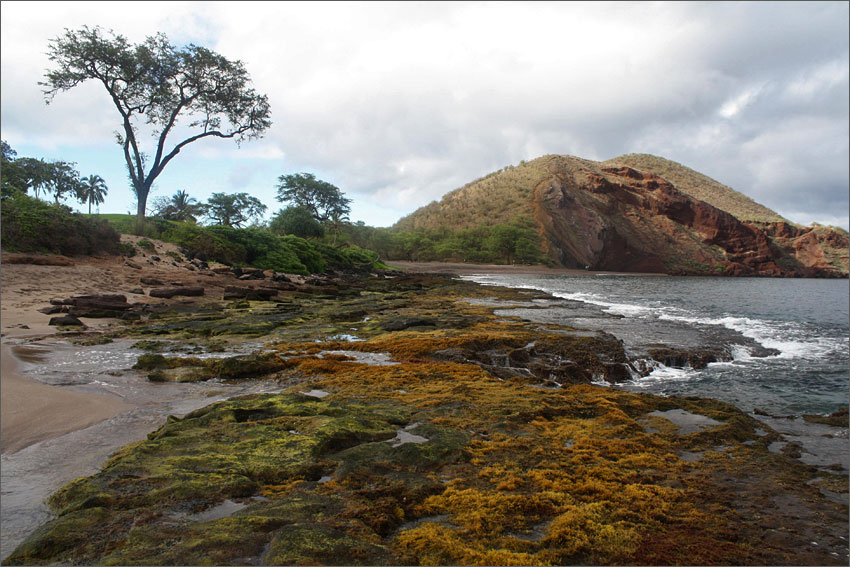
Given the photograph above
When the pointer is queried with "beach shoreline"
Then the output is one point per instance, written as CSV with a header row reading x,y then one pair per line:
x,y
459,268
31,412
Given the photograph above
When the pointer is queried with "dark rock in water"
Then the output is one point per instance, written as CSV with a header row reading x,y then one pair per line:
x,y
65,321
150,281
169,292
616,372
181,374
695,358
839,418
407,322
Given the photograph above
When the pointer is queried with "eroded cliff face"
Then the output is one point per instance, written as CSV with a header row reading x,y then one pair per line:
x,y
622,219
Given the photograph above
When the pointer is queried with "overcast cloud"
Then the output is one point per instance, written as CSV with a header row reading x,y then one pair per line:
x,y
399,103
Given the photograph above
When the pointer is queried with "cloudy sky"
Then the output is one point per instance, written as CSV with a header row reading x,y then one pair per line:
x,y
399,103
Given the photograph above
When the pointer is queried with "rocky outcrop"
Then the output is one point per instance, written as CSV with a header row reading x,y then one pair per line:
x,y
618,218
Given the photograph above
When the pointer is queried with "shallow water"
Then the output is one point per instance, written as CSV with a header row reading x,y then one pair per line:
x,y
803,321
29,476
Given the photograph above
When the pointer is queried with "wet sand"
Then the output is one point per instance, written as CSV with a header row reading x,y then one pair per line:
x,y
31,411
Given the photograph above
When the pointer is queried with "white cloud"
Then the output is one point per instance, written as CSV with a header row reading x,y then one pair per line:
x,y
398,103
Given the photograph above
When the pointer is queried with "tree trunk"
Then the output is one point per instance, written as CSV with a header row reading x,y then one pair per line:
x,y
141,205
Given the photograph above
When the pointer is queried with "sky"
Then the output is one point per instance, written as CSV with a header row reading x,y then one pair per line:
x,y
399,103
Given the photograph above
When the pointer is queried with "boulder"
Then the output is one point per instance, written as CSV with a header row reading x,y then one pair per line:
x,y
150,281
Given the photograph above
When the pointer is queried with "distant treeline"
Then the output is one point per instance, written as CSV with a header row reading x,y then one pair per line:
x,y
511,243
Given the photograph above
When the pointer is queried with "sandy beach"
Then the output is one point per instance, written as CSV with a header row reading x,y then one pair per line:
x,y
31,411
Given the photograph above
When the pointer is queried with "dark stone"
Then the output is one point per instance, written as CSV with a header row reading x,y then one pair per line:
x,y
137,291
150,281
98,304
169,292
156,258
65,321
250,293
407,322
616,372
519,355
133,265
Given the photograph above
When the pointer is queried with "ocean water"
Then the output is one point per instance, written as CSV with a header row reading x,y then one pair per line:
x,y
787,339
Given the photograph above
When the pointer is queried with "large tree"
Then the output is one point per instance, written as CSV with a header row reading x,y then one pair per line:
x,y
158,84
233,209
324,201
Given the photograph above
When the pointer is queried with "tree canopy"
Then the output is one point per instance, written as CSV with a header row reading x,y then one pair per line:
x,y
298,221
324,201
57,178
233,209
158,84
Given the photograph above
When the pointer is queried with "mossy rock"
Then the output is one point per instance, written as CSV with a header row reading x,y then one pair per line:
x,y
319,544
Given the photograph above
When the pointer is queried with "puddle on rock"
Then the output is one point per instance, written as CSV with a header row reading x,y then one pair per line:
x,y
371,358
315,394
220,510
686,421
403,436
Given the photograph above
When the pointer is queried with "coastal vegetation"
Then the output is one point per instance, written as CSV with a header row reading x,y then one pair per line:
x,y
28,224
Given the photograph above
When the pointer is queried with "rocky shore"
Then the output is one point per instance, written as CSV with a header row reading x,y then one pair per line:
x,y
414,425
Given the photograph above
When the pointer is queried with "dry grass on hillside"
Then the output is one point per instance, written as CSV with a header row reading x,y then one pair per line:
x,y
700,187
497,198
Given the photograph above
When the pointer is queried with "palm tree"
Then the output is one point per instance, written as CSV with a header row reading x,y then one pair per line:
x,y
180,207
92,190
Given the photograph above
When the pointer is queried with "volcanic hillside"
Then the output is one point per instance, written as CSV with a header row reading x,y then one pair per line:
x,y
640,213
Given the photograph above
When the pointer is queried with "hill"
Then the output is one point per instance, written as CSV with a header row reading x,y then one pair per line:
x,y
639,213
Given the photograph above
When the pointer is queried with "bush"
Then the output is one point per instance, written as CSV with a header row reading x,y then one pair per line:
x,y
146,244
31,225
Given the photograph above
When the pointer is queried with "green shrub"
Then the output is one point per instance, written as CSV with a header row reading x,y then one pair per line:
x,y
31,225
127,249
146,244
